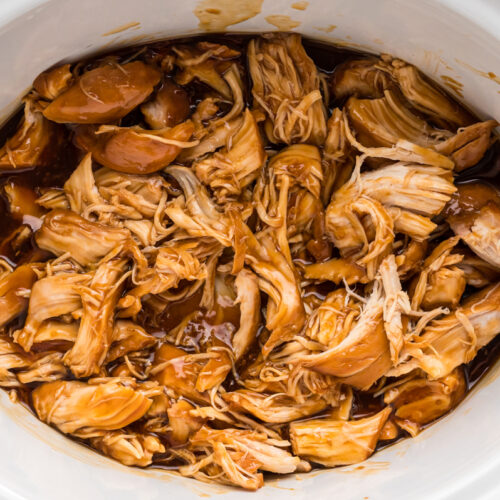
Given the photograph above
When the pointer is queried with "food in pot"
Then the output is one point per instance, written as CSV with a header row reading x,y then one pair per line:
x,y
236,255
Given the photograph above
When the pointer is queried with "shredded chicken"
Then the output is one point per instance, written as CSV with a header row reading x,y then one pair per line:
x,y
35,143
336,442
224,259
286,86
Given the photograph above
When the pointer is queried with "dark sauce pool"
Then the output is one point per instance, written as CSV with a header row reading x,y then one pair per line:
x,y
326,57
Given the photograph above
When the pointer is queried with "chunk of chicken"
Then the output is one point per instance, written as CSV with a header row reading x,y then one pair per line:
x,y
385,121
474,215
45,369
456,338
174,263
371,77
363,355
336,270
477,272
22,204
427,98
274,408
51,297
95,334
285,310
212,140
34,143
86,242
396,306
238,455
361,78
53,82
286,86
178,371
410,260
128,337
128,447
248,298
420,400
14,288
419,191
441,282
12,358
338,162
205,62
469,144
104,94
82,409
302,163
336,442
198,215
181,423
169,107
231,169
135,196
81,190
332,321
286,196
481,232
134,150
53,330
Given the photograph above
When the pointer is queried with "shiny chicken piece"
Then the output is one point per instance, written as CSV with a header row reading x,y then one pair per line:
x,y
82,409
135,150
397,198
128,337
53,82
169,107
420,400
278,409
128,447
51,297
427,98
13,289
12,358
363,355
456,338
230,170
206,62
441,282
34,143
286,86
474,216
238,455
86,242
336,442
363,78
104,94
95,334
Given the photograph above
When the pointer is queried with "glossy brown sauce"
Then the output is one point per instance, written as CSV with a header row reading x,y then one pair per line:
x,y
205,326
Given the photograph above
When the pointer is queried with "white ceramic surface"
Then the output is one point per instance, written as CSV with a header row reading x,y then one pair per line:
x,y
457,458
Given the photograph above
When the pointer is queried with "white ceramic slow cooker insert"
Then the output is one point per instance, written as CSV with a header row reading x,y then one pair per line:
x,y
456,458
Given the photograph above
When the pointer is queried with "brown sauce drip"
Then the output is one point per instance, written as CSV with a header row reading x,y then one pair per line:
x,y
222,322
